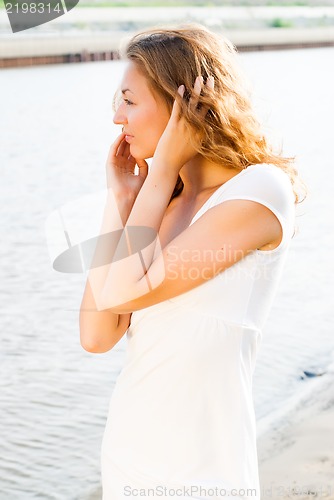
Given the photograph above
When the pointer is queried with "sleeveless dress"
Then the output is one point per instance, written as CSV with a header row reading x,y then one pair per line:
x,y
181,421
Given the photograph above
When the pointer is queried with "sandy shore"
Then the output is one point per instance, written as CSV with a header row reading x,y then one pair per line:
x,y
296,455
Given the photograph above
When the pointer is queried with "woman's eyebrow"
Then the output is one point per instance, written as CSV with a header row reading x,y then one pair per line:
x,y
126,90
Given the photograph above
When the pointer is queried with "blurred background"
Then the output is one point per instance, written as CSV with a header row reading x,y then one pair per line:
x,y
56,126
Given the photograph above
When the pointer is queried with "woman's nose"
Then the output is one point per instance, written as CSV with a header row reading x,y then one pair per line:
x,y
119,117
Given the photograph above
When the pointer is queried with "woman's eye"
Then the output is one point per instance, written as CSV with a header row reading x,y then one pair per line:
x,y
127,102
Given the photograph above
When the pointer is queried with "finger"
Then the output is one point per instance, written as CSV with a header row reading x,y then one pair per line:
x,y
210,83
122,148
131,164
143,168
193,101
126,149
115,145
181,90
131,158
176,110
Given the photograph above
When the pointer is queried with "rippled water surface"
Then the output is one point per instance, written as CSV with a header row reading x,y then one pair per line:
x,y
56,128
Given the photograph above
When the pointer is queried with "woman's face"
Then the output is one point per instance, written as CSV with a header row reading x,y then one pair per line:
x,y
144,116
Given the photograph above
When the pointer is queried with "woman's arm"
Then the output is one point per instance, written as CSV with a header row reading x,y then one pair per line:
x,y
223,235
101,328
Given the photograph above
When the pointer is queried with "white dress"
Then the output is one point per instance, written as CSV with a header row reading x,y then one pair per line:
x,y
181,422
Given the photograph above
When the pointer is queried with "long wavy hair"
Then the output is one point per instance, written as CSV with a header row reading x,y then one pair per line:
x,y
231,134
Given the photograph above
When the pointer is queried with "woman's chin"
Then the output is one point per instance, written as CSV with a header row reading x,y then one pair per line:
x,y
140,154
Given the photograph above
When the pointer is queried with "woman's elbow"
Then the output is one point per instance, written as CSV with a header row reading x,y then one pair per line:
x,y
93,344
92,347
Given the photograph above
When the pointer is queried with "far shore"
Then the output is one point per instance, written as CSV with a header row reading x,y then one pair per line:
x,y
27,49
95,33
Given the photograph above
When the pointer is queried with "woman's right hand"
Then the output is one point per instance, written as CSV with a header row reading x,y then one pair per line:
x,y
120,171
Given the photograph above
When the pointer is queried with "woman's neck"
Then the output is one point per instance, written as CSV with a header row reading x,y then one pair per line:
x,y
201,175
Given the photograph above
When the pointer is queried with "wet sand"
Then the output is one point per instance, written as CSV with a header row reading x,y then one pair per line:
x,y
296,457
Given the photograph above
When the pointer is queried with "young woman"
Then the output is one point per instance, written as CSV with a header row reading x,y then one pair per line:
x,y
192,277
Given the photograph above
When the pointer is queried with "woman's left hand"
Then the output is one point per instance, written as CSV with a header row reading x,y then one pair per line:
x,y
176,146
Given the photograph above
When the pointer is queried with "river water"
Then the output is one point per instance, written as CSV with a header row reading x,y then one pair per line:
x,y
56,128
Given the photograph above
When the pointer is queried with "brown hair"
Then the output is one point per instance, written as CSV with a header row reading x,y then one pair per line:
x,y
231,134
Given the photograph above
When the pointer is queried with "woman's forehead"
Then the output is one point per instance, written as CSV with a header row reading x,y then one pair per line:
x,y
134,81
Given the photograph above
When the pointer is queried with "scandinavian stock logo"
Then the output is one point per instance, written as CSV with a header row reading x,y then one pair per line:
x,y
24,15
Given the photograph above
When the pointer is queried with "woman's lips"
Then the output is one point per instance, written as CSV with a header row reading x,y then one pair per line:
x,y
128,137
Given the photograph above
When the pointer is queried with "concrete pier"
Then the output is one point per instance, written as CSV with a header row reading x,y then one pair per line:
x,y
72,48
63,48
